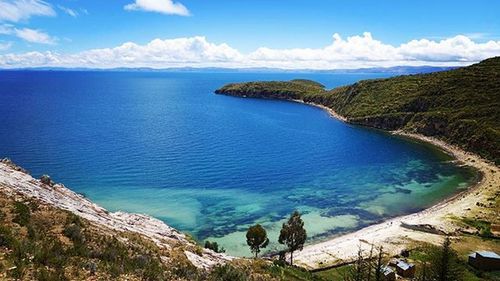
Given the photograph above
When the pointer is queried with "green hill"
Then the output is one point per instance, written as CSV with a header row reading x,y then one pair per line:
x,y
460,106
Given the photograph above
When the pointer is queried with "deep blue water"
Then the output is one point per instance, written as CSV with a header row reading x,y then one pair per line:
x,y
164,144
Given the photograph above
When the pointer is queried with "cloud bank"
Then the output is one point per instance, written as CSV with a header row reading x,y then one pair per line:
x,y
353,52
168,7
18,10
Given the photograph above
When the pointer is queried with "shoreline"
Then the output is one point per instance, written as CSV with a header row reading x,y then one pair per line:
x,y
330,111
396,234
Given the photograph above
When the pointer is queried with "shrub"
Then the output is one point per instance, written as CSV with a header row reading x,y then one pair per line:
x,y
227,273
74,233
22,214
185,270
214,247
6,238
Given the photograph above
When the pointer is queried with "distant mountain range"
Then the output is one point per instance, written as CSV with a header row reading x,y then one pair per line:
x,y
395,69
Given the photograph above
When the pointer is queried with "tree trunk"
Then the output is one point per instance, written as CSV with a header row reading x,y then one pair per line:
x,y
291,257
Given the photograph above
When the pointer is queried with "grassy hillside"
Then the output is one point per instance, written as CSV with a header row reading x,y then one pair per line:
x,y
460,106
40,242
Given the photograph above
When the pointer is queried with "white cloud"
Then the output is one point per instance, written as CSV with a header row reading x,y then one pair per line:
x,y
168,7
352,52
5,46
6,29
17,10
27,34
365,51
34,36
68,11
458,48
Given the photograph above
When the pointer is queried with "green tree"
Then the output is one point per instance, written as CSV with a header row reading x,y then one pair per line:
x,y
445,264
423,273
293,234
257,238
379,265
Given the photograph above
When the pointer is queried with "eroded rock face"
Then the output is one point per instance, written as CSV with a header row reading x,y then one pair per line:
x,y
15,181
11,164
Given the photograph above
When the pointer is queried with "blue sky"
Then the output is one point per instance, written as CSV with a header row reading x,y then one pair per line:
x,y
69,27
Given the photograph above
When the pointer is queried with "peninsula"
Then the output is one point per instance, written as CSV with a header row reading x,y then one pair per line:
x,y
458,106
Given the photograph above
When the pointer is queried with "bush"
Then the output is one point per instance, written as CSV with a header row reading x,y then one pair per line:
x,y
74,233
184,269
227,273
48,275
6,238
483,227
51,254
22,214
214,247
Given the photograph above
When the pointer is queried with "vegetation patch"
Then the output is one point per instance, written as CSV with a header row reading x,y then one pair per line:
x,y
44,243
483,227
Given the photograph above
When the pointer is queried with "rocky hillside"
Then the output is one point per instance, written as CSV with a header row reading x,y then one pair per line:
x,y
459,106
48,232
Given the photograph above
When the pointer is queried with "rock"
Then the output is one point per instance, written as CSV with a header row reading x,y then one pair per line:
x,y
11,164
92,268
45,179
405,253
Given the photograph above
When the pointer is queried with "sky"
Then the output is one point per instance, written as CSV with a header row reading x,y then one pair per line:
x,y
292,34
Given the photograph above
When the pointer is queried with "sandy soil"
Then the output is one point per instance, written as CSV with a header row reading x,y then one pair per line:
x,y
438,218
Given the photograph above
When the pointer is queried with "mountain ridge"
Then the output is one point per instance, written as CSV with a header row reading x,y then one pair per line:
x,y
394,69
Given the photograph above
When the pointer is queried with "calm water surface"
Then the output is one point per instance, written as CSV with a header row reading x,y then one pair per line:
x,y
163,144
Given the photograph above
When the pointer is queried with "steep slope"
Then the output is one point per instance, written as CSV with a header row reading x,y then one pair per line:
x,y
460,106
48,232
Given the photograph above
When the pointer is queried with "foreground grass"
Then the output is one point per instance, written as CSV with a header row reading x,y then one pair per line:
x,y
38,242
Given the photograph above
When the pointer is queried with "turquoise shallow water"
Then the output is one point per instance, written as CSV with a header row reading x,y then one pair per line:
x,y
163,144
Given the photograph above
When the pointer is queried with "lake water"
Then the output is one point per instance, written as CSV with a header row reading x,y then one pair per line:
x,y
164,144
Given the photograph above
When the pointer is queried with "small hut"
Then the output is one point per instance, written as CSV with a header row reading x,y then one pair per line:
x,y
485,260
389,274
405,269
